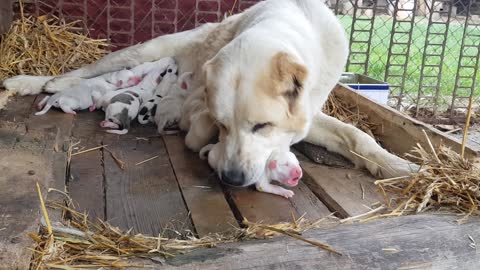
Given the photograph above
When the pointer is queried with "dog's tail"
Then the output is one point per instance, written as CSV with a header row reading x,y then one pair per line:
x,y
119,132
45,109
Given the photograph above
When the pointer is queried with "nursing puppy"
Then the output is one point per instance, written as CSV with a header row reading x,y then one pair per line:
x,y
282,166
169,109
146,87
79,97
149,107
123,108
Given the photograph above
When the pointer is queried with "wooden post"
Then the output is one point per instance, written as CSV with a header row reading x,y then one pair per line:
x,y
6,14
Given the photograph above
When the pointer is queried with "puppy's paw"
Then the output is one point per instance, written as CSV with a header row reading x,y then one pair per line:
x,y
25,84
286,193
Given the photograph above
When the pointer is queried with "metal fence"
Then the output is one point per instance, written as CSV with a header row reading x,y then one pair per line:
x,y
427,50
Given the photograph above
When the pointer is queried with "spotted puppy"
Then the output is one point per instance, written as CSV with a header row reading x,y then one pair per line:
x,y
281,166
80,97
123,108
149,108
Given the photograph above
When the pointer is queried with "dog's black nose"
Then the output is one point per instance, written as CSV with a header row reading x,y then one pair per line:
x,y
233,178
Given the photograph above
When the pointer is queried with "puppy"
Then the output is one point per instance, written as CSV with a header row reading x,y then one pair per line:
x,y
145,88
123,108
80,97
169,110
149,108
281,166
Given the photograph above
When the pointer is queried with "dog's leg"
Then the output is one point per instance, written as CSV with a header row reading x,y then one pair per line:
x,y
202,130
163,46
265,186
357,146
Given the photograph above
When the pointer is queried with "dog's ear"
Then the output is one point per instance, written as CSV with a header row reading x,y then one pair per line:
x,y
289,77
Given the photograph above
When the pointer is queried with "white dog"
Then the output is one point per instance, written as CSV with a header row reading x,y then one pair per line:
x,y
261,79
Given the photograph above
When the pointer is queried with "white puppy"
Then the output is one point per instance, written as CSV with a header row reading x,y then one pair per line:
x,y
147,85
79,97
169,110
282,166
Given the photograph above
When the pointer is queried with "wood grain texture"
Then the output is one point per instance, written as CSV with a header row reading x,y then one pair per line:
x,y
348,192
144,197
269,208
86,180
201,189
29,159
420,242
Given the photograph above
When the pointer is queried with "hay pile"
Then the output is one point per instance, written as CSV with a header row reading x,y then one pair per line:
x,y
348,113
81,243
446,183
46,46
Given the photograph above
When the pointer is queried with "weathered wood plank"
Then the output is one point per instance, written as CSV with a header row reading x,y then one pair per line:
x,y
201,189
17,110
411,242
144,197
269,208
28,160
397,132
86,181
346,191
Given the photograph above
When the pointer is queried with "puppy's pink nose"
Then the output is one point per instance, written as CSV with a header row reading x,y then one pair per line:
x,y
296,173
102,124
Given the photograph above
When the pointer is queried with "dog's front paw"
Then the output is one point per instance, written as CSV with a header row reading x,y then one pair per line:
x,y
26,85
61,83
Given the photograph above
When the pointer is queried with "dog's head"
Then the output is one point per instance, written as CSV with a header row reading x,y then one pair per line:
x,y
259,102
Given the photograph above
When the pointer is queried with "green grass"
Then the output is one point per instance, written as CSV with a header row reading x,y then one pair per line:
x,y
379,52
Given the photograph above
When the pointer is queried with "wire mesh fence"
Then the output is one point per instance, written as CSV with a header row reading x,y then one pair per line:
x,y
427,50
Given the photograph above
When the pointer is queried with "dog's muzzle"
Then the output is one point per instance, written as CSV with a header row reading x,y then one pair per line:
x,y
233,178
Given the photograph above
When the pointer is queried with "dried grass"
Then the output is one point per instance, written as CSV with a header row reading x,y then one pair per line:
x,y
46,46
81,243
446,183
348,113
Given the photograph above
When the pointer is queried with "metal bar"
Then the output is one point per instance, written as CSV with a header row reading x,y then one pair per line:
x,y
392,55
459,68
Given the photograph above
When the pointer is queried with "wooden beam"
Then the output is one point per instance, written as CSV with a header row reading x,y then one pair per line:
x,y
410,242
397,132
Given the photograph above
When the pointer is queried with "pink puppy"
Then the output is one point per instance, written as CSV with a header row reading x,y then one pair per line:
x,y
281,166
284,168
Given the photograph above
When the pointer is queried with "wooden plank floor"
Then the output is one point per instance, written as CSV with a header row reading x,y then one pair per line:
x,y
176,192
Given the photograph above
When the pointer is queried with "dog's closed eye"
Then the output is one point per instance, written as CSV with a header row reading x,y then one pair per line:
x,y
260,126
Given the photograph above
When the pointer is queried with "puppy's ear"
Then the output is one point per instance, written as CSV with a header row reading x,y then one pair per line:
x,y
289,76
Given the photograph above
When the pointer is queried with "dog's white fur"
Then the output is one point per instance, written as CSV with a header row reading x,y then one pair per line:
x,y
266,74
